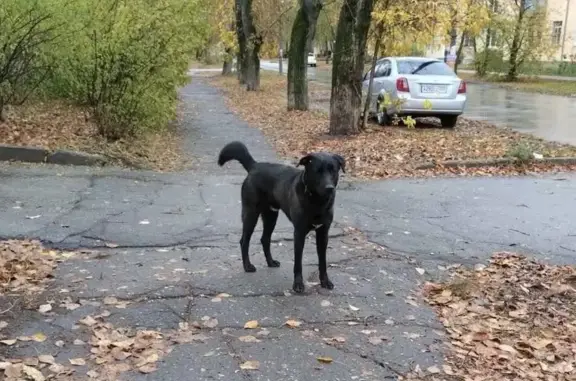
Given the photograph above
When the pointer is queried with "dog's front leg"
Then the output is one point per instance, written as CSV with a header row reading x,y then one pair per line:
x,y
299,240
321,247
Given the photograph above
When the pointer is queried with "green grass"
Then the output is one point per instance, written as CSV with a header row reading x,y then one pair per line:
x,y
529,84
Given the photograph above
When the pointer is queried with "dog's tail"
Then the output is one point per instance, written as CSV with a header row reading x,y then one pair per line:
x,y
236,151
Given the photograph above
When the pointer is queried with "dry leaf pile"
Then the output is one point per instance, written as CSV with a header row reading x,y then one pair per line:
x,y
113,352
512,320
380,152
55,125
25,265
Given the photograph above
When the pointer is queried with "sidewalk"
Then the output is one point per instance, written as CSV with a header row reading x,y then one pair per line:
x,y
163,256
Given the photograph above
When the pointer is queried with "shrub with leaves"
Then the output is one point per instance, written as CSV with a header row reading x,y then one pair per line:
x,y
126,60
27,29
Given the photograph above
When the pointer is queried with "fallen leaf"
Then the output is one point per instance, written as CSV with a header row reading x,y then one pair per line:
x,y
325,303
144,222
248,339
252,324
111,245
223,295
420,271
4,365
46,359
39,337
148,368
216,300
293,323
433,369
93,374
88,321
377,340
77,361
110,300
78,342
211,323
324,359
353,308
3,324
44,308
250,365
8,342
59,343
33,373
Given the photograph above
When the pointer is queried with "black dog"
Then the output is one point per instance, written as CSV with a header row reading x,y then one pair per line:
x,y
306,197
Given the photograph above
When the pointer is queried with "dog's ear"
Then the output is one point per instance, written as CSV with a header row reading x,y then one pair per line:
x,y
304,160
341,162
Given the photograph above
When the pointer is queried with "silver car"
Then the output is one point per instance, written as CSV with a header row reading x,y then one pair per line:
x,y
418,87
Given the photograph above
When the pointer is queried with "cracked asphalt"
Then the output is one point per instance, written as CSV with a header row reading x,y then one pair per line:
x,y
168,243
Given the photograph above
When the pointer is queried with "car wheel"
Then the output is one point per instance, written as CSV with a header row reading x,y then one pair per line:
x,y
381,116
449,121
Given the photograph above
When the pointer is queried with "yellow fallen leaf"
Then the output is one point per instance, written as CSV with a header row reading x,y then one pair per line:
x,y
250,365
88,321
252,324
77,361
324,359
293,323
8,342
39,337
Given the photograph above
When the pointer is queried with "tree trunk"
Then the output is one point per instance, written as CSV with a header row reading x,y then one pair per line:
x,y
348,65
515,48
253,44
3,117
459,51
227,67
240,64
379,33
301,38
482,67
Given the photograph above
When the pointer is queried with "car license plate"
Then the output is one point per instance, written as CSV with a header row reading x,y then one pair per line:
x,y
435,89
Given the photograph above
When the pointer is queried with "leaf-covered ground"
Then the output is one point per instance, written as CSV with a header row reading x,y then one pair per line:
x,y
56,125
381,152
514,319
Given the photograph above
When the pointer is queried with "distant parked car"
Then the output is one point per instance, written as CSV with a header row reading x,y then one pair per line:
x,y
423,87
311,59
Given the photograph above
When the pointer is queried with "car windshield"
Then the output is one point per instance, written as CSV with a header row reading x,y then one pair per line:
x,y
421,67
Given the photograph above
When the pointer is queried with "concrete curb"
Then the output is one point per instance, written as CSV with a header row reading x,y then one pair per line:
x,y
494,162
43,155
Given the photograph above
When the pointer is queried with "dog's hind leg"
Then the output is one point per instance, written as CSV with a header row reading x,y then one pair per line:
x,y
249,221
269,219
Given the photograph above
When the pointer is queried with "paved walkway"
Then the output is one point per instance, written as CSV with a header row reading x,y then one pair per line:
x,y
547,116
177,237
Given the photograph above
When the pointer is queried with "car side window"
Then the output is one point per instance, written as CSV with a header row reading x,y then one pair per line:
x,y
379,70
387,69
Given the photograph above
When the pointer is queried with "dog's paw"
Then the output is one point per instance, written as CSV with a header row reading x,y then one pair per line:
x,y
298,286
250,268
274,263
326,283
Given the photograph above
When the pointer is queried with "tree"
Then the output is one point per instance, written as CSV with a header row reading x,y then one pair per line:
x,y
525,34
348,66
253,43
470,18
301,40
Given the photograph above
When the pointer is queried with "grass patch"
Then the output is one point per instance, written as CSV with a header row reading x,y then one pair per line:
x,y
527,84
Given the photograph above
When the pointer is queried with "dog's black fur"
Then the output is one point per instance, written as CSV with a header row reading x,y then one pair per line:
x,y
306,197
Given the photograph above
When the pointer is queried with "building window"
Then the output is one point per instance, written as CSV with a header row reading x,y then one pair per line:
x,y
556,32
493,40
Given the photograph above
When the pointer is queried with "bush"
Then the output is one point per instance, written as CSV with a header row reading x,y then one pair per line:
x,y
126,60
27,29
489,60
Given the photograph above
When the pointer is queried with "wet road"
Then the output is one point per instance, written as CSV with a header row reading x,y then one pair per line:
x,y
547,116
